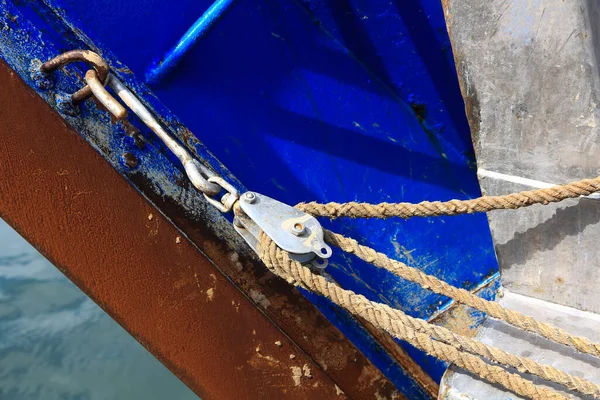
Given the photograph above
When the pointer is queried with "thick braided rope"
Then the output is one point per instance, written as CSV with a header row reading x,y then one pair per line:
x,y
397,323
554,194
492,309
463,296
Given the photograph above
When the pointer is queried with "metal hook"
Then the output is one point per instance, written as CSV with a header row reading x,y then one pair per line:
x,y
197,173
97,88
201,177
86,56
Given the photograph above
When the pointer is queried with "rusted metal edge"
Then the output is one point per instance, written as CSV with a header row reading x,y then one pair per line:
x,y
430,386
73,206
65,237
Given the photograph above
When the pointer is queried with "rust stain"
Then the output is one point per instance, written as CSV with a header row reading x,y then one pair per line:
x,y
458,319
100,243
306,326
446,6
403,359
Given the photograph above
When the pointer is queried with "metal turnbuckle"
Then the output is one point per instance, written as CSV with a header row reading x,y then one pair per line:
x,y
294,231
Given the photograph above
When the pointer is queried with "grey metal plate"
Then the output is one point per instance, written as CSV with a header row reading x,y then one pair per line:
x,y
457,384
529,75
277,219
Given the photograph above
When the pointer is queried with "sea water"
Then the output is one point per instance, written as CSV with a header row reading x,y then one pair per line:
x,y
56,343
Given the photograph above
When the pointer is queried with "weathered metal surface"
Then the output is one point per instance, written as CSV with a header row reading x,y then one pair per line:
x,y
67,58
138,155
529,75
102,95
72,206
459,385
132,149
364,92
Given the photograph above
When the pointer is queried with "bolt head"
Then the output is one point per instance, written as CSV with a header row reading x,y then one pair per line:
x,y
298,229
249,197
237,222
130,160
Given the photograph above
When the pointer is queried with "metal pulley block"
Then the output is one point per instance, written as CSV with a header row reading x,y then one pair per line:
x,y
294,231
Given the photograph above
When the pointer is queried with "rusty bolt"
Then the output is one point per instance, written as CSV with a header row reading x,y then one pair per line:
x,y
130,160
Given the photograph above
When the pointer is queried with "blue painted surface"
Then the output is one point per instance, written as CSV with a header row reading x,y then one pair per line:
x,y
160,68
313,100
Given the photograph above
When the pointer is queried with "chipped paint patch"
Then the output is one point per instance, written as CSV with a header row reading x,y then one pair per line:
x,y
235,258
306,370
296,375
367,377
210,293
259,298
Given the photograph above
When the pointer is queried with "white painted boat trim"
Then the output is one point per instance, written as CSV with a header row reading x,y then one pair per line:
x,y
484,173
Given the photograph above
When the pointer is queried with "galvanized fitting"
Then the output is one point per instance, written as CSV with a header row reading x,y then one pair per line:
x,y
294,231
249,197
228,200
298,229
98,90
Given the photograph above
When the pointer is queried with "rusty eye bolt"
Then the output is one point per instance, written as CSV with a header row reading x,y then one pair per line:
x,y
86,56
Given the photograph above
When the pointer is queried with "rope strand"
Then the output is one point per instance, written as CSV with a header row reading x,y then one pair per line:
x,y
435,340
398,324
492,309
463,296
554,194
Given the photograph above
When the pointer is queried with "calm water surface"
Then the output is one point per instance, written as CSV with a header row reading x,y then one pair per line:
x,y
55,343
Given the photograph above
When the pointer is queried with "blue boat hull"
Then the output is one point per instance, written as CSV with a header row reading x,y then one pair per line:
x,y
303,101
